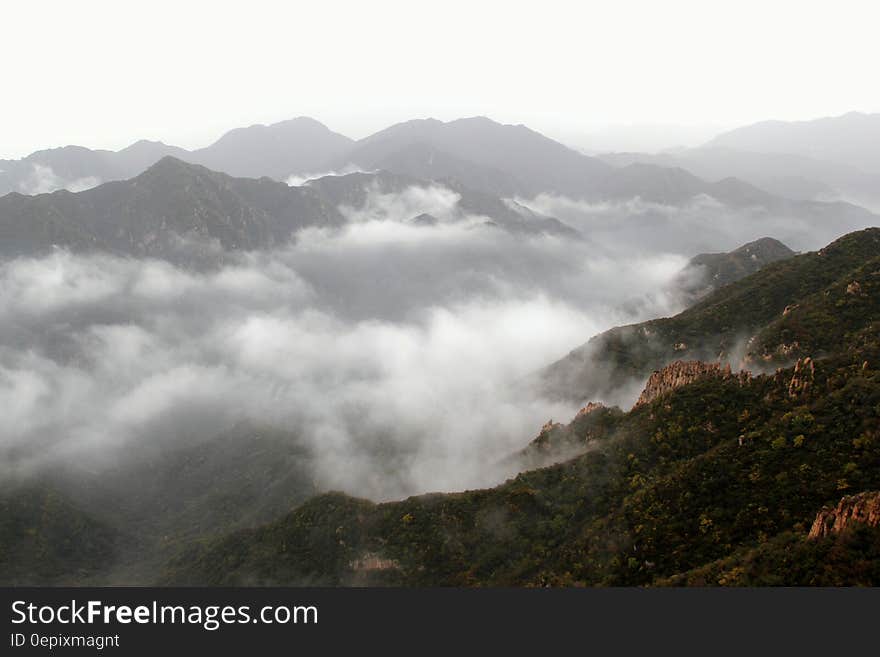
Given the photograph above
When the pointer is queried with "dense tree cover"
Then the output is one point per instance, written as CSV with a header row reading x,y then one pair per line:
x,y
722,323
46,540
672,489
123,525
852,559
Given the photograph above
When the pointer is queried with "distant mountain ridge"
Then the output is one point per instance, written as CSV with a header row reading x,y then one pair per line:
x,y
503,160
476,154
300,145
174,201
852,139
531,161
792,176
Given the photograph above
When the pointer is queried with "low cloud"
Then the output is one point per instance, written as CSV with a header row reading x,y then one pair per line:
x,y
701,225
300,179
43,180
392,350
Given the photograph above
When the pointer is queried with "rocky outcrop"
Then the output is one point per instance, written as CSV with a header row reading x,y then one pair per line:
x,y
803,377
863,508
550,425
369,561
681,373
557,442
591,407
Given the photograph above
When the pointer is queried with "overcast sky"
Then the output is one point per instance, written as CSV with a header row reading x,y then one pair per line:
x,y
104,73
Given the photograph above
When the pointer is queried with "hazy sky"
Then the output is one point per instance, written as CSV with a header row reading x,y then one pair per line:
x,y
104,73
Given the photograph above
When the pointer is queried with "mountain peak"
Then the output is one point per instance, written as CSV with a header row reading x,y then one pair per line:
x,y
145,145
295,127
765,244
279,150
172,166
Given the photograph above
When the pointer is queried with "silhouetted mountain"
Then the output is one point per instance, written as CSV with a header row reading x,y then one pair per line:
x,y
503,161
178,211
152,213
528,160
141,155
850,139
791,176
76,168
513,161
300,145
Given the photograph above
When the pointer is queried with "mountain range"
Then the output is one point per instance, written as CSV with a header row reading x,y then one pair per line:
x,y
850,139
177,210
826,159
489,165
276,151
502,160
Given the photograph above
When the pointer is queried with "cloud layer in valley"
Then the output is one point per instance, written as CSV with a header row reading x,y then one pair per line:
x,y
392,350
43,180
701,225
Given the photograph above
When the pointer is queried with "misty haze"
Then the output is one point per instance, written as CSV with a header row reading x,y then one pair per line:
x,y
440,352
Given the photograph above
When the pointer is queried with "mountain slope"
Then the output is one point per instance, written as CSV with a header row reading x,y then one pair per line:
x,y
718,327
46,540
709,271
709,469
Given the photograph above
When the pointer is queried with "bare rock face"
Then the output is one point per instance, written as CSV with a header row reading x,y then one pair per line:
x,y
373,562
547,437
803,377
550,425
862,508
854,288
681,373
589,408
